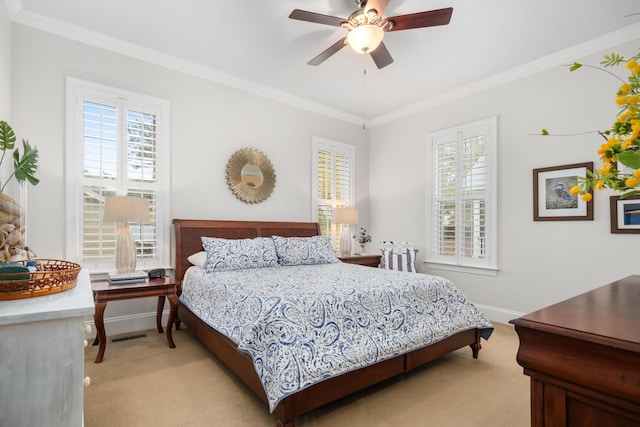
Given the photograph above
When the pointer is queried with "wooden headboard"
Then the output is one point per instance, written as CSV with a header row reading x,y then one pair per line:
x,y
189,231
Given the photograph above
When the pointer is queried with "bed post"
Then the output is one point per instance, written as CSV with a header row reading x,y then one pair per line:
x,y
285,414
476,346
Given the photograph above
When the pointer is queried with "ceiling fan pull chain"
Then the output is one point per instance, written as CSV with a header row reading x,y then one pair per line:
x,y
364,91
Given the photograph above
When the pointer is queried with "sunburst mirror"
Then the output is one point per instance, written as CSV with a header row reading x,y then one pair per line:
x,y
250,175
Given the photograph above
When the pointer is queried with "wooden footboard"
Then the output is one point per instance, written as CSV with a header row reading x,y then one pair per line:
x,y
329,390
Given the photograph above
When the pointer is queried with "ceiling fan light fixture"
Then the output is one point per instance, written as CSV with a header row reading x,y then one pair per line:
x,y
365,38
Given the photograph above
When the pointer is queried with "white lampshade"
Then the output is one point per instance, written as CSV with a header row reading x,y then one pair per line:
x,y
345,216
365,38
123,210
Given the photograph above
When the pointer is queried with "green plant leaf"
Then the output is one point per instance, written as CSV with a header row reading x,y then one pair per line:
x,y
612,60
7,136
575,66
630,158
26,166
630,193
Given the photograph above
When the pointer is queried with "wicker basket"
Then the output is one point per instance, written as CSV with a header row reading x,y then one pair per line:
x,y
54,276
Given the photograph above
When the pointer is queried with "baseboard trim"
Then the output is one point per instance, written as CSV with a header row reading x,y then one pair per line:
x,y
127,324
497,314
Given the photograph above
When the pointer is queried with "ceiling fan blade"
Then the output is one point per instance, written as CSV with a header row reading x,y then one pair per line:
x,y
431,18
327,53
378,5
381,56
318,18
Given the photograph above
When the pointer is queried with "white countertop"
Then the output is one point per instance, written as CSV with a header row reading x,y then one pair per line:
x,y
77,301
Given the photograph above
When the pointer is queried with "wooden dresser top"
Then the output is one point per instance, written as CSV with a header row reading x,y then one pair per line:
x,y
609,315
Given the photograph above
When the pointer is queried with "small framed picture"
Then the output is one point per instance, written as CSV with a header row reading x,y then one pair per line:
x,y
625,215
552,200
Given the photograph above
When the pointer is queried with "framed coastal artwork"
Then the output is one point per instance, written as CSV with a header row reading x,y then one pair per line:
x,y
625,214
552,200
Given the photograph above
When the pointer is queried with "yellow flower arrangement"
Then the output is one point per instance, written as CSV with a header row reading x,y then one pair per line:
x,y
622,139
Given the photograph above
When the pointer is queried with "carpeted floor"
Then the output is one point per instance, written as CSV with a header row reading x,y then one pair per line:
x,y
142,382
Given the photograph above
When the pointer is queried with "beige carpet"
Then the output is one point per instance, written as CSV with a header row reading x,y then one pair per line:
x,y
142,382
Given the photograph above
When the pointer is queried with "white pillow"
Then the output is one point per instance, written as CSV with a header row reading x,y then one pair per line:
x,y
198,259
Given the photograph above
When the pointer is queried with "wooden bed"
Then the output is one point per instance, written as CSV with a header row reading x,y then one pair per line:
x,y
187,239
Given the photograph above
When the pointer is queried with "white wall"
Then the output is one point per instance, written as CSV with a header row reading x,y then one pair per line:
x,y
208,123
5,64
540,262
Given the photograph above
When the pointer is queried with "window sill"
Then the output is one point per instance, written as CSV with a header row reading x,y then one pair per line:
x,y
481,271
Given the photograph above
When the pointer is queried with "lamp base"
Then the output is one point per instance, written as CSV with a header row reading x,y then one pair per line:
x,y
345,242
125,250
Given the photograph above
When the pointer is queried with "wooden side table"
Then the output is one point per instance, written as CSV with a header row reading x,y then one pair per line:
x,y
105,291
369,260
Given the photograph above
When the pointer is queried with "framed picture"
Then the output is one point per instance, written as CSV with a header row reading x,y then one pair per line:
x,y
625,215
551,198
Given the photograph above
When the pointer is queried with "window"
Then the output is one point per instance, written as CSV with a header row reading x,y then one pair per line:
x,y
462,179
333,183
117,144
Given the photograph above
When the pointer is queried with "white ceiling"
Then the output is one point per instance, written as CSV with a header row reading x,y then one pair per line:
x,y
254,46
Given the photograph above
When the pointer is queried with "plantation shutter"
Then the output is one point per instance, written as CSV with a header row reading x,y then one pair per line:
x,y
461,197
445,158
100,136
117,145
333,181
142,177
474,195
116,165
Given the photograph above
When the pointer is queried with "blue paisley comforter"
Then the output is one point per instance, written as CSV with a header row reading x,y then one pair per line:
x,y
304,324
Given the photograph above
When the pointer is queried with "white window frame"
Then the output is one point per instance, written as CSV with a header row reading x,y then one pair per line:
x,y
77,91
489,264
334,147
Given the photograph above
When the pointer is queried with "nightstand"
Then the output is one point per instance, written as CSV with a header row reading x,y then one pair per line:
x,y
370,260
105,291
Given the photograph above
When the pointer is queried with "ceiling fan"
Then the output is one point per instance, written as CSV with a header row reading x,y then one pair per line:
x,y
366,28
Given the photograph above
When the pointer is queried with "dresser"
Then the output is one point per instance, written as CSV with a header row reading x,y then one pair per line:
x,y
583,357
42,357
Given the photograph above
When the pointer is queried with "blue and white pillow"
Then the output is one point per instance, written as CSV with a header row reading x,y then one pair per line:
x,y
238,254
400,261
304,250
399,256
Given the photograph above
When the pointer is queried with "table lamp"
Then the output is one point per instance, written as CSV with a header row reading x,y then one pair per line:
x,y
345,216
122,210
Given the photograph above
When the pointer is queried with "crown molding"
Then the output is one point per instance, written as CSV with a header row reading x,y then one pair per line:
x,y
93,38
624,35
